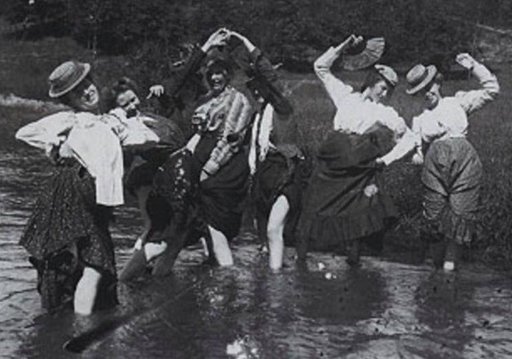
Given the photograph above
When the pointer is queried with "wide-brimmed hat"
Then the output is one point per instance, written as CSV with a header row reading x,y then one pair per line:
x,y
66,77
387,74
364,54
419,77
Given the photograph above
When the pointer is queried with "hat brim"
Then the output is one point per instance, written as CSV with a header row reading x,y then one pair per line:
x,y
85,68
431,73
370,55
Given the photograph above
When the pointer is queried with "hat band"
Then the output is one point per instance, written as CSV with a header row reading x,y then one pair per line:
x,y
420,79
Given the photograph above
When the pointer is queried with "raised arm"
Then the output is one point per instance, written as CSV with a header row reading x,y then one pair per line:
x,y
336,88
264,77
218,38
475,99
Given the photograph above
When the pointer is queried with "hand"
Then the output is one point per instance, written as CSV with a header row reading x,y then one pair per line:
x,y
379,162
371,190
417,159
65,151
203,176
218,38
465,60
351,41
192,143
156,90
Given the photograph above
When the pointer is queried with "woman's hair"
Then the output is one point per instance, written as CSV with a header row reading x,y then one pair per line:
x,y
372,78
109,95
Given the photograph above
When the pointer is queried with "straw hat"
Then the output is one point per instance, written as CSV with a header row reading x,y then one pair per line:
x,y
387,73
66,77
420,77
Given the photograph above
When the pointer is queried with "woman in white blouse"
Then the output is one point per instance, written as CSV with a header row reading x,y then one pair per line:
x,y
345,202
452,169
67,235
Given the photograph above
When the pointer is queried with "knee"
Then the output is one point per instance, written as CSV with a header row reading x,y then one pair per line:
x,y
274,231
90,276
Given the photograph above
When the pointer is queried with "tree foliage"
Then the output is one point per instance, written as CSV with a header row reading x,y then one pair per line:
x,y
291,31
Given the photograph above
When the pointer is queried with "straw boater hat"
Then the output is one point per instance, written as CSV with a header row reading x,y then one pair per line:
x,y
66,77
419,77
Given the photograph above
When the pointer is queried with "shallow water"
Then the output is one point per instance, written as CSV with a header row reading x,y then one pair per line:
x,y
383,310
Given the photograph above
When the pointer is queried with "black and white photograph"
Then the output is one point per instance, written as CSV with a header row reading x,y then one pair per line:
x,y
256,179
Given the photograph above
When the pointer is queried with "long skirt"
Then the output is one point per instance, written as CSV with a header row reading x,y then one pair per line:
x,y
66,232
181,207
451,177
280,174
339,206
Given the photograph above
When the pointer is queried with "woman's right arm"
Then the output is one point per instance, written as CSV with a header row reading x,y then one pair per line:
x,y
47,133
336,88
193,65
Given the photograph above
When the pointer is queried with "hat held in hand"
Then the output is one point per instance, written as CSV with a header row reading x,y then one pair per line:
x,y
66,77
364,54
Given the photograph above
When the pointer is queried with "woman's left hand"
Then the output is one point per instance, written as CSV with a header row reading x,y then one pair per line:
x,y
465,60
203,176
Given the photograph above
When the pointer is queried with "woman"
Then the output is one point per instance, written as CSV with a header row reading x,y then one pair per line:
x,y
122,101
67,235
203,185
274,158
452,170
345,202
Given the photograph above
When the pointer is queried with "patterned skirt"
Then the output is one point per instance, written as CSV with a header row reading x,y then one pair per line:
x,y
451,177
66,232
338,207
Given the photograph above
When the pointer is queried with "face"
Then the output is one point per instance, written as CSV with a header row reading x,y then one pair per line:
x,y
379,91
218,81
129,102
432,95
85,97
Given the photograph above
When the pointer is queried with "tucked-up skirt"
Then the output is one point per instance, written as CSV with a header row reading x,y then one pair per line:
x,y
345,199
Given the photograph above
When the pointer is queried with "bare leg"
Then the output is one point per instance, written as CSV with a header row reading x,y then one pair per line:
x,y
275,229
142,196
221,248
86,291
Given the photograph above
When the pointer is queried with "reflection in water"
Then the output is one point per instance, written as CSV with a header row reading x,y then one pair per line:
x,y
383,309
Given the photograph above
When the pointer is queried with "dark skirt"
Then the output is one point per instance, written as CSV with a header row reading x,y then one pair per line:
x,y
222,197
336,207
66,232
181,207
281,174
173,204
451,177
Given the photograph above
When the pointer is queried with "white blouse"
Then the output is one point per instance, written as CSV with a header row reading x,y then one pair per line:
x,y
357,115
449,119
95,141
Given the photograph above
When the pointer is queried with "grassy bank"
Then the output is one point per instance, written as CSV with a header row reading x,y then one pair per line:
x,y
490,130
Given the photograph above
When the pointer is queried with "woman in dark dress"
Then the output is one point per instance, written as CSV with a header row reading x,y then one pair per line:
x,y
345,202
201,187
277,164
